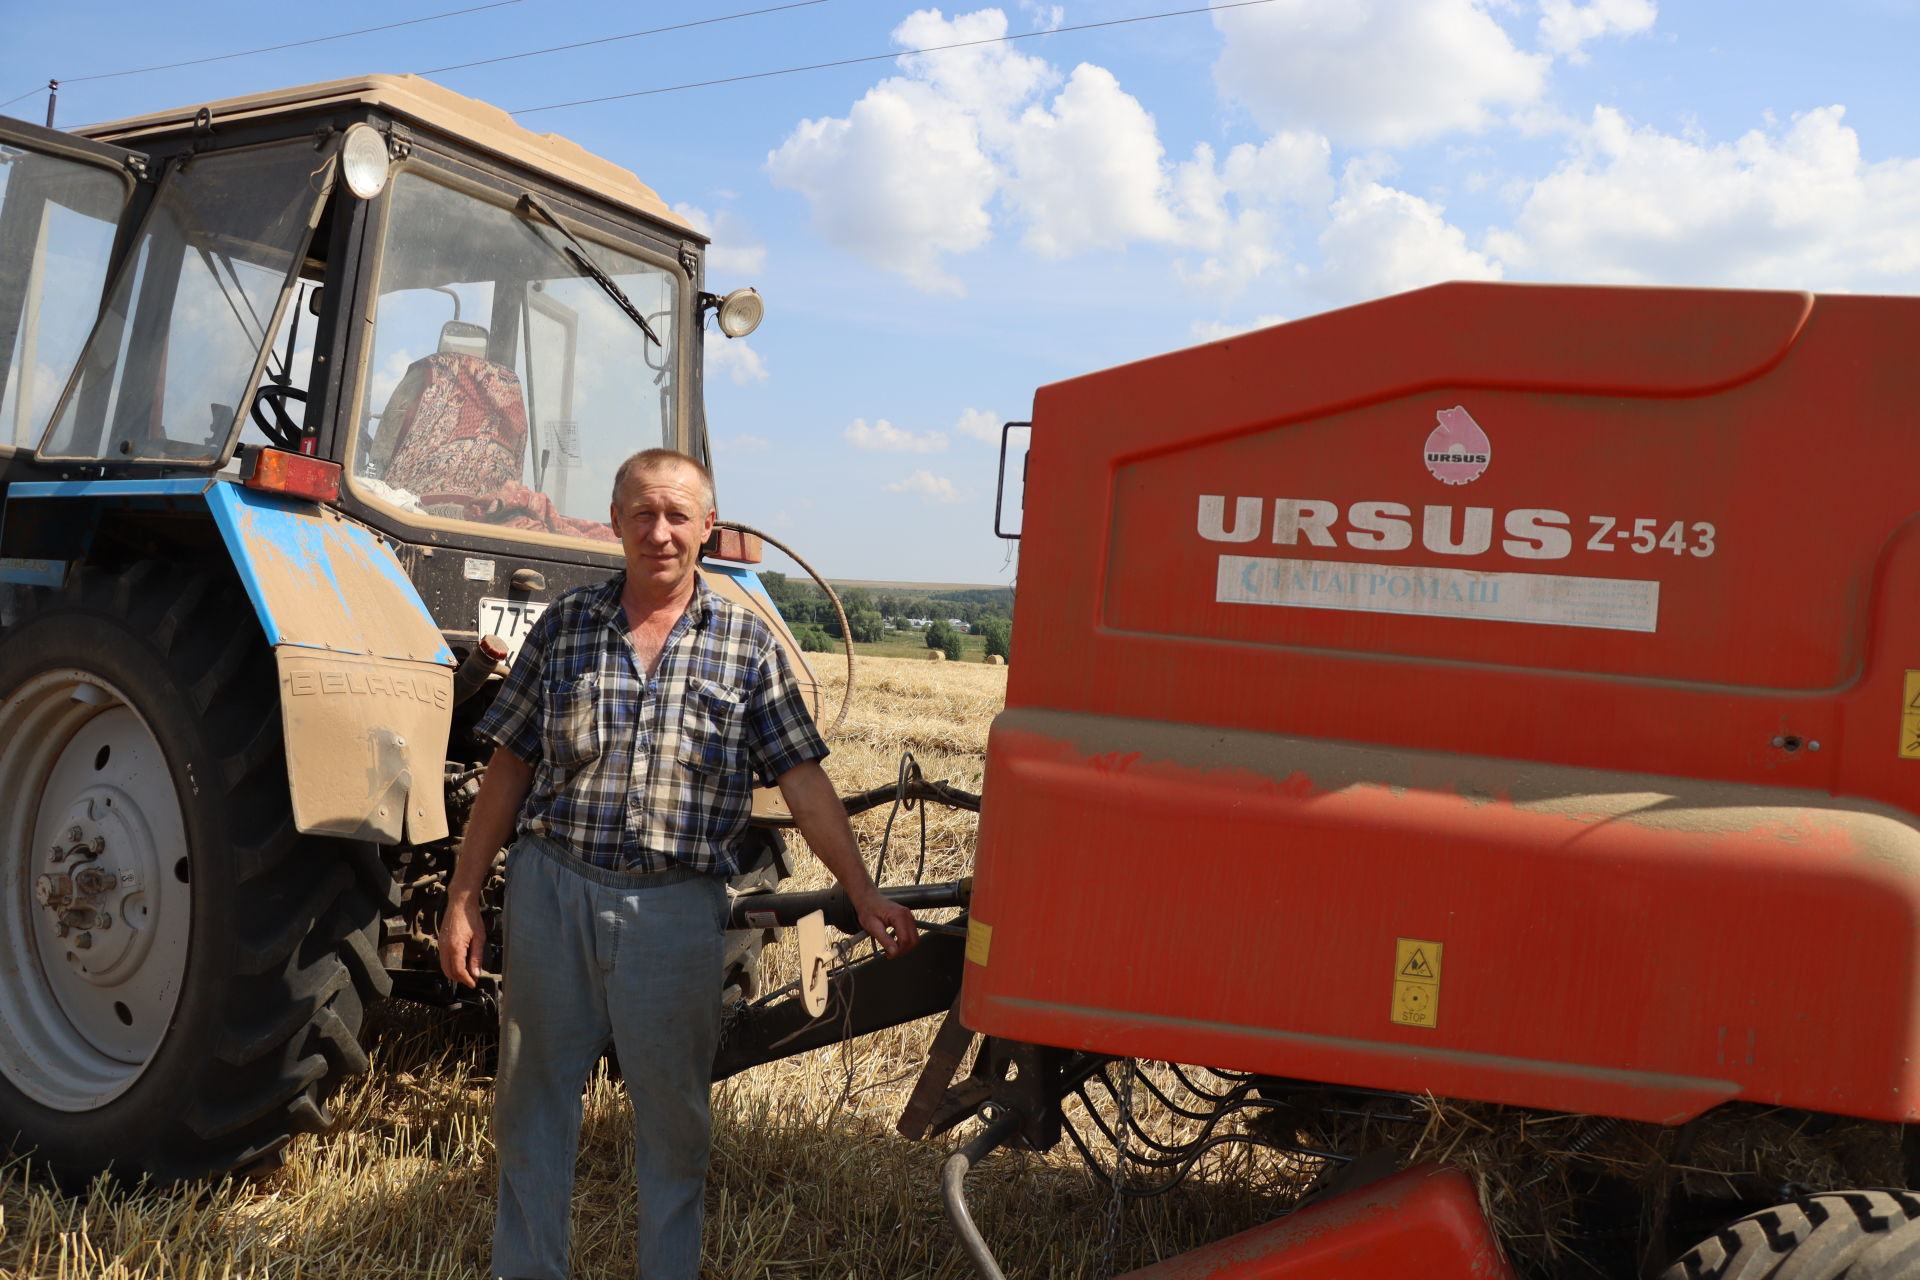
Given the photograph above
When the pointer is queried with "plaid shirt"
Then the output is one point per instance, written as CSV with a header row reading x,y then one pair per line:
x,y
639,773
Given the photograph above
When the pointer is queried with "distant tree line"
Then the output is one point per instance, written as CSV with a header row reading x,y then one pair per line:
x,y
870,615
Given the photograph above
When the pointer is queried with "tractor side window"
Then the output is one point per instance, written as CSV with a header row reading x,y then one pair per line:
x,y
57,223
503,385
170,368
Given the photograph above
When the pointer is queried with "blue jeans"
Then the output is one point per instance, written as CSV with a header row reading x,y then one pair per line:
x,y
595,958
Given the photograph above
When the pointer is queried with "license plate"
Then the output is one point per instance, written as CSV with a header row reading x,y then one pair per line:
x,y
510,620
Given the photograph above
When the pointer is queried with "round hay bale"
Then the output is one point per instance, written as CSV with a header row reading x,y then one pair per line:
x,y
995,660
934,655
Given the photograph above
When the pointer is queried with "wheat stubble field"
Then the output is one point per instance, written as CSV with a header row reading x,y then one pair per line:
x,y
809,1179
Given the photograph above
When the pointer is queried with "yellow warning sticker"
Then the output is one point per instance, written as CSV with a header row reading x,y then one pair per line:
x,y
1910,719
979,942
1416,983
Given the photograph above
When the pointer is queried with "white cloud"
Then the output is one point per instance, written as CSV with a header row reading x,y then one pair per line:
x,y
735,358
1214,330
1794,207
1382,240
735,251
1233,211
927,485
1086,171
922,166
1045,17
1387,72
914,171
900,181
1565,26
907,174
978,424
884,437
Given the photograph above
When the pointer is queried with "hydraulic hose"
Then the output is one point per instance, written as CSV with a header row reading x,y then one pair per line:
x,y
953,1177
846,633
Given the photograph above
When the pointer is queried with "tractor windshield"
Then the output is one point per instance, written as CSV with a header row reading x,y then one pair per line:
x,y
504,385
168,367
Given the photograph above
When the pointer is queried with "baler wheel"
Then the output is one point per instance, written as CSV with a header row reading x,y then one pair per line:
x,y
182,973
1836,1235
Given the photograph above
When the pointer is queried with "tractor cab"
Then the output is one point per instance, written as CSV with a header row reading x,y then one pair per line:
x,y
472,323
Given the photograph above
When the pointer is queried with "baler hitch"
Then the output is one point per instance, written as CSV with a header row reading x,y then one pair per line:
x,y
779,910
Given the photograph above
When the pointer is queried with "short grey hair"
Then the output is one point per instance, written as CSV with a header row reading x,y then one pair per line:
x,y
658,460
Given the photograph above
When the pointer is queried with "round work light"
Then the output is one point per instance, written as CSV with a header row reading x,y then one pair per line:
x,y
740,312
363,160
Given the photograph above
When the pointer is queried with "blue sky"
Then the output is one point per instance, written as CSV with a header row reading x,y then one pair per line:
x,y
938,235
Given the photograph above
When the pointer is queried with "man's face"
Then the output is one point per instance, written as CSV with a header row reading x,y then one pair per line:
x,y
662,516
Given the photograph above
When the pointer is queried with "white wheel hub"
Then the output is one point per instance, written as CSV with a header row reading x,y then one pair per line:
x,y
95,908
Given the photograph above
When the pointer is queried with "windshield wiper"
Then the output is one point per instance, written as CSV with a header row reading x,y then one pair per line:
x,y
578,252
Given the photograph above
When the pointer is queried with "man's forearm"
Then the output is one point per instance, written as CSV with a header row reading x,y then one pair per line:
x,y
822,819
490,826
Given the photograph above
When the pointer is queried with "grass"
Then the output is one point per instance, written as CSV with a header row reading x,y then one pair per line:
x,y
912,646
809,1180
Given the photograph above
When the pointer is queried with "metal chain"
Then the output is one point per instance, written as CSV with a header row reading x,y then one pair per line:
x,y
1123,1119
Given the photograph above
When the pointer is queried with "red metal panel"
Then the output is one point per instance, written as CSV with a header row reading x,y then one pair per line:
x,y
1424,1222
1255,750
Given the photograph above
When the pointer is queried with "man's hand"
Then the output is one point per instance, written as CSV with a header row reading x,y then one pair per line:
x,y
463,941
463,934
887,922
822,819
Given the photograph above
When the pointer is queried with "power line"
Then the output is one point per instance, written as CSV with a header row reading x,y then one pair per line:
x,y
881,57
631,35
291,44
28,94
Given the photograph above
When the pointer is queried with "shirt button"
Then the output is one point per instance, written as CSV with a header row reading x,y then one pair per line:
x,y
653,686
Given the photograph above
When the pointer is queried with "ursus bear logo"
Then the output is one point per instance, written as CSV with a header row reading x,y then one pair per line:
x,y
1457,450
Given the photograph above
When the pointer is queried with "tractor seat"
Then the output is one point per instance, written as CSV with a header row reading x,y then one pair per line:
x,y
454,430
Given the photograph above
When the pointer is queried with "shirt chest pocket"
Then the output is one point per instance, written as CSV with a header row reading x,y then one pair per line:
x,y
711,719
572,732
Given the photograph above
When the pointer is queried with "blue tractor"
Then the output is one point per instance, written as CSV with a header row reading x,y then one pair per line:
x,y
309,401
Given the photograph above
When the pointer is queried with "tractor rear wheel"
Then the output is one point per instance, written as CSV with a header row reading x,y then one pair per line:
x,y
1837,1235
182,974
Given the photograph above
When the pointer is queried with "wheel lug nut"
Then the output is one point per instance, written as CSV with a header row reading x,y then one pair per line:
x,y
75,835
94,880
78,917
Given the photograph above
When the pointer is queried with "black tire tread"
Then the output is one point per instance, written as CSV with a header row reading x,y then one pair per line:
x,y
1895,1256
302,964
1814,1237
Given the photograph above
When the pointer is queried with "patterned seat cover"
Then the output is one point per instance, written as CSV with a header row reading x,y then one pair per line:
x,y
461,433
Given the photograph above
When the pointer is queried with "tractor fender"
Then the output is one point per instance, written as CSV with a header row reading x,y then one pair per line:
x,y
366,679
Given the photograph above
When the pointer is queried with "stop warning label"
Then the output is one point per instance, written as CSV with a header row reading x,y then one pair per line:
x,y
1416,983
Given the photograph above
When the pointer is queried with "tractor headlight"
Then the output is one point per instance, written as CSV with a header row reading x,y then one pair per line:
x,y
363,160
740,312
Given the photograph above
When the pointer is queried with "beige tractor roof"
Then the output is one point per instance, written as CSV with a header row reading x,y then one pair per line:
x,y
442,110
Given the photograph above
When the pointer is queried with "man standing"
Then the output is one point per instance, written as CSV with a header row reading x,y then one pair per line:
x,y
627,734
